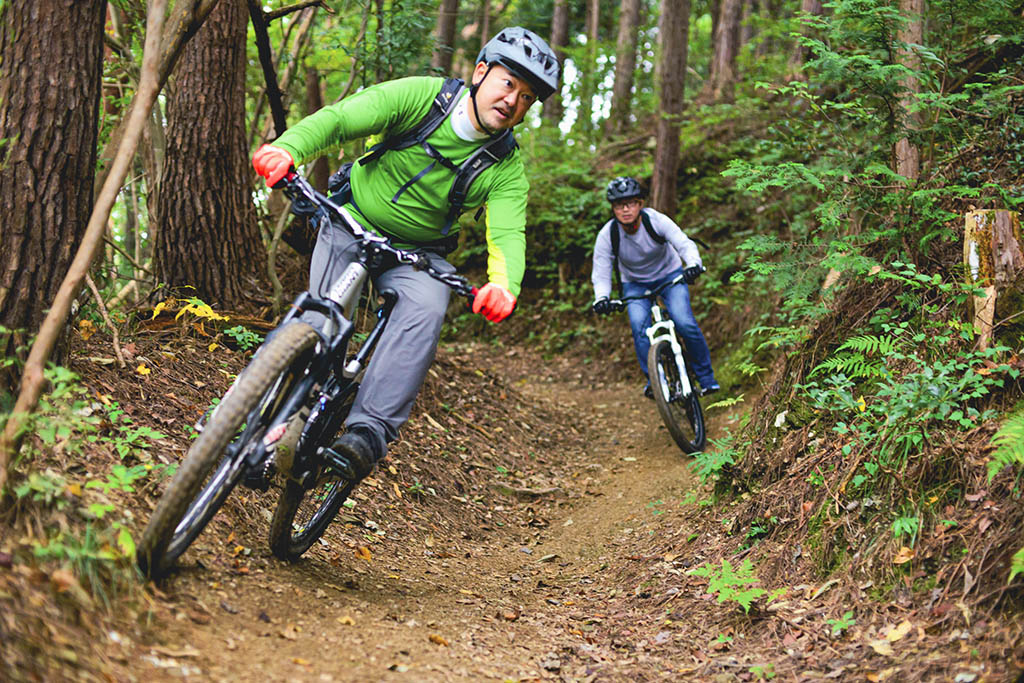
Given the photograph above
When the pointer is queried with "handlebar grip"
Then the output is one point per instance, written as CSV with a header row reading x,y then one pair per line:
x,y
283,182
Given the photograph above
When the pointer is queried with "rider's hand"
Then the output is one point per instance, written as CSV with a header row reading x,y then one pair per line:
x,y
494,302
691,274
273,163
602,306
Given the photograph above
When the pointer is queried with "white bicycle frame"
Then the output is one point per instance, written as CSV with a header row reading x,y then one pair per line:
x,y
662,327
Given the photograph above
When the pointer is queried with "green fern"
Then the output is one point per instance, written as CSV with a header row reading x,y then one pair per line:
x,y
860,357
854,366
871,345
1009,442
1016,565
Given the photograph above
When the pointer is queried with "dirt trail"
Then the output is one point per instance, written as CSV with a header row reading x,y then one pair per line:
x,y
512,602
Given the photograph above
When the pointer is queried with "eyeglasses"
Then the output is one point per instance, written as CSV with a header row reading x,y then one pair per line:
x,y
626,204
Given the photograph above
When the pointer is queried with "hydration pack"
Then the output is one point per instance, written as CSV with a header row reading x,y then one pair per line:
x,y
488,154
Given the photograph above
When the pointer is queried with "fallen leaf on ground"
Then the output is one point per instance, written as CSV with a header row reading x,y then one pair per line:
x,y
434,638
903,556
882,647
364,552
899,631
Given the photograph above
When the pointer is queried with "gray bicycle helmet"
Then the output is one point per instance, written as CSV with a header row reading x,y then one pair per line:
x,y
624,187
526,55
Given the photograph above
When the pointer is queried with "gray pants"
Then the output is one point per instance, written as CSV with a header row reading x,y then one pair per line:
x,y
409,341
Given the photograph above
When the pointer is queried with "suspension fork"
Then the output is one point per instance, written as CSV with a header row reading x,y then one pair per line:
x,y
662,327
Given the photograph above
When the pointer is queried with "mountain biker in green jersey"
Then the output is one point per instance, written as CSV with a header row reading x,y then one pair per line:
x,y
647,259
405,195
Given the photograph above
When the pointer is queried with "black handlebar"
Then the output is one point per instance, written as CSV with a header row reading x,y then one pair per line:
x,y
307,201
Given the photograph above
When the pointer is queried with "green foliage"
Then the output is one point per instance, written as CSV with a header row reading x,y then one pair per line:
x,y
734,584
713,463
44,488
906,526
126,439
243,337
841,624
1009,443
1016,564
763,672
940,377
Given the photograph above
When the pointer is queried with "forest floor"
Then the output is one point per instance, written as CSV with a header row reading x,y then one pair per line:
x,y
535,521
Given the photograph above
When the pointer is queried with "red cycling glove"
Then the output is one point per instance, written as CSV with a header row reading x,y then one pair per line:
x,y
273,163
494,302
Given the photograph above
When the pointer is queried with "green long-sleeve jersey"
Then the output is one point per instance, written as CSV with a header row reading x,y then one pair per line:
x,y
418,212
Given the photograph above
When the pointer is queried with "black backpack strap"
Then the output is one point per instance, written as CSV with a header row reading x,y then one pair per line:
x,y
614,229
646,220
482,159
442,106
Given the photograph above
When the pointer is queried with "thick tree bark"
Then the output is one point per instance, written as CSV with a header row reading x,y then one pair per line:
x,y
725,46
554,108
674,32
49,103
447,14
625,65
208,237
908,156
185,19
33,380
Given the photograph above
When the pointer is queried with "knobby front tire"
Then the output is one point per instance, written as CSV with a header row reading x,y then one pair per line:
x,y
682,415
193,495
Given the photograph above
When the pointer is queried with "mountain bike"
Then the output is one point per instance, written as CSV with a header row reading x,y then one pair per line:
x,y
672,380
273,425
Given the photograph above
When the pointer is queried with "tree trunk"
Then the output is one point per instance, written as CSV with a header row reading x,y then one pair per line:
x,y
725,45
554,108
447,14
908,157
994,256
208,237
588,72
625,65
485,22
49,103
185,19
674,32
808,8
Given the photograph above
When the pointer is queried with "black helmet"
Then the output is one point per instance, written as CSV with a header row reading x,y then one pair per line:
x,y
624,187
526,55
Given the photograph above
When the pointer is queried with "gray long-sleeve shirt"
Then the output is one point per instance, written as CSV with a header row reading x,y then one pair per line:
x,y
641,258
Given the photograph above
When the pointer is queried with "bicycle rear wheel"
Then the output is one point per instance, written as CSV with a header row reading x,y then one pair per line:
x,y
304,510
681,414
237,425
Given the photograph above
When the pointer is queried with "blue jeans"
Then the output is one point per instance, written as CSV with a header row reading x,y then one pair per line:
x,y
677,302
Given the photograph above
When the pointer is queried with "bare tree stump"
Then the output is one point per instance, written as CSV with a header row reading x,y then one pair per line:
x,y
994,258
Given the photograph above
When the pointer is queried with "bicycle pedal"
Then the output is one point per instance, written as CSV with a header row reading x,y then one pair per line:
x,y
339,463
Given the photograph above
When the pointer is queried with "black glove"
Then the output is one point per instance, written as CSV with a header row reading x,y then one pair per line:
x,y
602,306
691,274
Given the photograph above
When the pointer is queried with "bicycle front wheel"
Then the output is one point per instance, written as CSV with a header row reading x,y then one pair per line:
x,y
304,510
681,414
194,495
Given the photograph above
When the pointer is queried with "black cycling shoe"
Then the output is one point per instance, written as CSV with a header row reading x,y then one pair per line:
x,y
353,454
709,389
649,392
